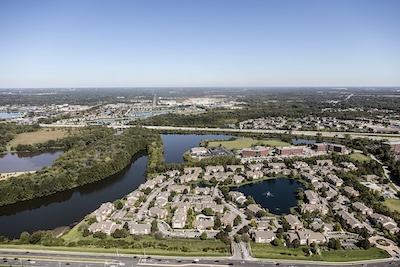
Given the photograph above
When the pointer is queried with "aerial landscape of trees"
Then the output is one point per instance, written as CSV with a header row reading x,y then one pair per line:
x,y
93,153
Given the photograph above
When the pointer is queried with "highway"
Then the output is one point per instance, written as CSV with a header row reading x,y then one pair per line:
x,y
71,259
376,136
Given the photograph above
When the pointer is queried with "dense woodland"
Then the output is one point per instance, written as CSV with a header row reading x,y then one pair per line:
x,y
92,154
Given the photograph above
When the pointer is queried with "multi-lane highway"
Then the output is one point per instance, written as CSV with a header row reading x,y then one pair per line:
x,y
69,259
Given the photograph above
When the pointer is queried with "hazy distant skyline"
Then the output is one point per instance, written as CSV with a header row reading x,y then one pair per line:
x,y
199,43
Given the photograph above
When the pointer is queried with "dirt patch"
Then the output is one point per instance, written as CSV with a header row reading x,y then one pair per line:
x,y
57,232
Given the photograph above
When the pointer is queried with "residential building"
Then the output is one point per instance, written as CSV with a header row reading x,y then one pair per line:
x,y
294,222
312,197
139,229
107,227
179,219
307,237
103,212
364,209
264,236
349,219
228,219
158,213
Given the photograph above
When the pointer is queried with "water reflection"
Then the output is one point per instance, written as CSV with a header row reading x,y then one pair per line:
x,y
277,195
24,161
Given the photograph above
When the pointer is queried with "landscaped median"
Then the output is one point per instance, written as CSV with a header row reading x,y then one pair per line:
x,y
268,251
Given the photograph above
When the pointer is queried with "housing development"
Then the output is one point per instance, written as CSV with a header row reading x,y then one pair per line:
x,y
329,208
267,177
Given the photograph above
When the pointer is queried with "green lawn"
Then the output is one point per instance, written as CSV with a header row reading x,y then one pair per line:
x,y
166,247
269,251
354,255
153,246
360,157
246,142
392,204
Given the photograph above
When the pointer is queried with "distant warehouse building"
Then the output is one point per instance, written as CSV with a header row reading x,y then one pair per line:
x,y
199,151
290,150
329,147
394,145
258,151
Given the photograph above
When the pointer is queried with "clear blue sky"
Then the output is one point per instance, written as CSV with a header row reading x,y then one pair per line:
x,y
164,43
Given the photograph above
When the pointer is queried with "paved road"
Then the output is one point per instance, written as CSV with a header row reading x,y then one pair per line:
x,y
393,137
386,171
69,259
144,208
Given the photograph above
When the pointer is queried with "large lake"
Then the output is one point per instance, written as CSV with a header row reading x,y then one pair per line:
x,y
175,145
277,195
66,208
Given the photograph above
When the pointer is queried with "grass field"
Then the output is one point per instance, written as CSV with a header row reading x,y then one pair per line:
x,y
281,252
392,204
360,157
240,143
167,247
40,136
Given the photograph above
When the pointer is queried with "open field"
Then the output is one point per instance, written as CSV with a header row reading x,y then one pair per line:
x,y
281,252
392,204
240,143
40,136
166,247
360,157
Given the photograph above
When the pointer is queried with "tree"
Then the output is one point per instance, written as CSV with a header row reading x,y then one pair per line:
x,y
118,204
228,228
237,238
261,213
158,235
100,235
207,211
246,237
85,233
277,242
364,243
203,236
217,223
91,220
84,225
154,226
24,238
120,233
237,220
35,237
334,243
296,243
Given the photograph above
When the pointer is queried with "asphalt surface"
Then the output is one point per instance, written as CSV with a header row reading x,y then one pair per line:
x,y
69,259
